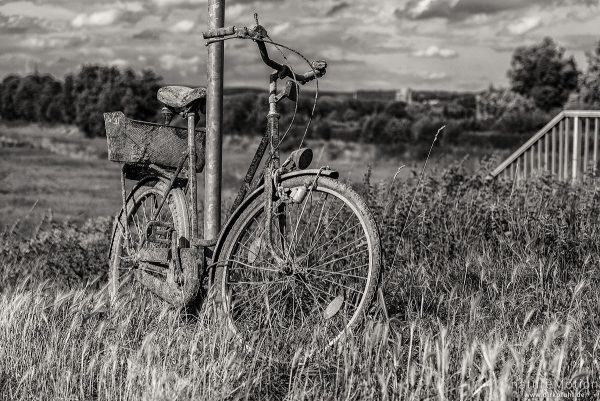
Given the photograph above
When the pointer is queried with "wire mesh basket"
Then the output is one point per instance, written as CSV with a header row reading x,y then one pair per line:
x,y
140,142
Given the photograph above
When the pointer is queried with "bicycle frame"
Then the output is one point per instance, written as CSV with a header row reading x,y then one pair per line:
x,y
269,139
190,258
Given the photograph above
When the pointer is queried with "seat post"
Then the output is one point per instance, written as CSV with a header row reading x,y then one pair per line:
x,y
214,122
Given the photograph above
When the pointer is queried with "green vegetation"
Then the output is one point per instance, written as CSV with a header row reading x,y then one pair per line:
x,y
491,291
81,98
542,73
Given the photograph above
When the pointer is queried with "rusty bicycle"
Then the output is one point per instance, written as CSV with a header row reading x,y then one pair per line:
x,y
297,263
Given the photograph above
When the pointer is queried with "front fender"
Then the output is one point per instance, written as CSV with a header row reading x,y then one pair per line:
x,y
255,194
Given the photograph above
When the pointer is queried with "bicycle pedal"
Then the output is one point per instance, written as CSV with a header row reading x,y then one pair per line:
x,y
160,256
159,232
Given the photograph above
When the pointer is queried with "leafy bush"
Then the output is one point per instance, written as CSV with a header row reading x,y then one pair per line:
x,y
522,121
425,128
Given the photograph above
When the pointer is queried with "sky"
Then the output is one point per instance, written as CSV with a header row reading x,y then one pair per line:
x,y
461,45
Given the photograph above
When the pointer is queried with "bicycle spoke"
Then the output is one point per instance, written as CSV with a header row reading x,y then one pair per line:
x,y
330,272
340,258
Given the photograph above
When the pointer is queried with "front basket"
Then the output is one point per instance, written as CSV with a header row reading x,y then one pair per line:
x,y
140,142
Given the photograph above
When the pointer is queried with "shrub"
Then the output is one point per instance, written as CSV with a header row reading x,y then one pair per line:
x,y
522,121
425,128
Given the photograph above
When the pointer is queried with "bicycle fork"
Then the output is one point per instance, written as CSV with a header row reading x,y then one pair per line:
x,y
272,177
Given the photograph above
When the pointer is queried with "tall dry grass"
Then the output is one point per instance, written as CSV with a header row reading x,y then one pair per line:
x,y
492,295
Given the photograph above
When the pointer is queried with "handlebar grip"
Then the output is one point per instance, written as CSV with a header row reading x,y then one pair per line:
x,y
319,69
219,32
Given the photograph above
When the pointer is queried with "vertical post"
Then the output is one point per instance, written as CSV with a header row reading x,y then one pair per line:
x,y
546,152
539,154
554,150
214,122
525,161
595,144
566,155
561,148
192,176
575,149
586,145
532,158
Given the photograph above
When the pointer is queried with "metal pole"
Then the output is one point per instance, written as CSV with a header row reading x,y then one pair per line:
x,y
192,176
576,156
214,123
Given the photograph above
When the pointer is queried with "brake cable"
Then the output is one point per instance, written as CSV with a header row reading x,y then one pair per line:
x,y
278,46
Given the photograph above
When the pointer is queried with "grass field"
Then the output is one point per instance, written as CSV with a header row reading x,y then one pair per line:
x,y
57,171
492,292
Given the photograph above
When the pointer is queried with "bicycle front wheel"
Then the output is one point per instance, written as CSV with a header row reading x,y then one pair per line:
x,y
326,281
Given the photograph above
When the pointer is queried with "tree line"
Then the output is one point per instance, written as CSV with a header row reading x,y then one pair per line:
x,y
542,81
80,98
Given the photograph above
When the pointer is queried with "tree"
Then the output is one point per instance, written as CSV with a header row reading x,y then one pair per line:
x,y
68,97
590,83
8,89
543,73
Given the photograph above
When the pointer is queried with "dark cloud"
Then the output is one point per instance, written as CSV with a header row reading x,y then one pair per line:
x,y
146,34
337,8
461,9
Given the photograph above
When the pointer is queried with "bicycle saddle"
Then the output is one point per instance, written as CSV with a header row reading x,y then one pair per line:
x,y
180,96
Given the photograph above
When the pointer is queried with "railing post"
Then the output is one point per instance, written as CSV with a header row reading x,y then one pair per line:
x,y
546,152
214,123
561,148
595,144
586,145
554,150
576,156
566,155
539,148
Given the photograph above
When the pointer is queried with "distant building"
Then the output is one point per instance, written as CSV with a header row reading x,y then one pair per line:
x,y
402,95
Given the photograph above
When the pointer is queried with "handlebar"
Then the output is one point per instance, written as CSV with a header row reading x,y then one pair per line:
x,y
258,35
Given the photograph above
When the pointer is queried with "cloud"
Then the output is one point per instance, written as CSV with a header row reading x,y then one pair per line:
x,y
128,12
100,18
182,64
432,76
183,26
54,42
462,9
280,28
179,3
118,62
524,25
146,34
436,52
335,9
21,24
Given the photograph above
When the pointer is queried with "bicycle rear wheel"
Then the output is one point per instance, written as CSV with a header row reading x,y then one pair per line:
x,y
141,207
322,290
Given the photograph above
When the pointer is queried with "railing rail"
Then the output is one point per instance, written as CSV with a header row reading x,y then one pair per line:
x,y
567,134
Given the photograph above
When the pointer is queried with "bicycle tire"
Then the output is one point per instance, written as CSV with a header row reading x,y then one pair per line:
x,y
227,260
175,207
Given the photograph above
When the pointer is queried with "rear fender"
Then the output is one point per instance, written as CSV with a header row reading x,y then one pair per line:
x,y
138,185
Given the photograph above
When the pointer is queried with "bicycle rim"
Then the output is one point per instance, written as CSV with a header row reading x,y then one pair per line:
x,y
332,249
141,207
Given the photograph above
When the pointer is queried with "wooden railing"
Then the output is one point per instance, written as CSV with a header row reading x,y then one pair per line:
x,y
567,147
